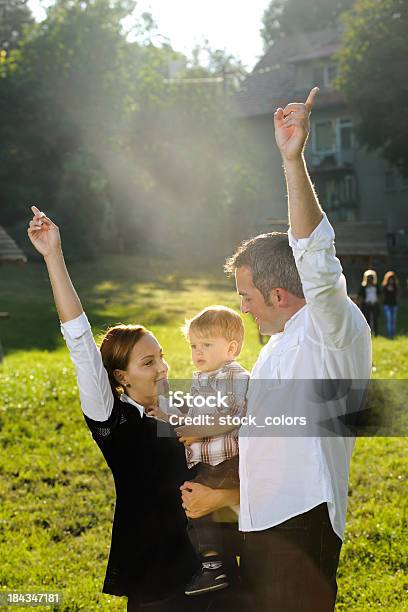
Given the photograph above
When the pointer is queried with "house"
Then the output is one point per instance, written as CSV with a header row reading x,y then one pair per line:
x,y
354,186
359,246
9,251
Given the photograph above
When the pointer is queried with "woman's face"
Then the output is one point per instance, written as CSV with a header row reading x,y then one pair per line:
x,y
147,371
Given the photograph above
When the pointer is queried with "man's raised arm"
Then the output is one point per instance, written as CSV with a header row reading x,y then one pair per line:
x,y
292,128
311,235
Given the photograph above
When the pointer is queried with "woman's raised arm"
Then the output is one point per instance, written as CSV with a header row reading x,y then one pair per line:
x,y
45,236
93,381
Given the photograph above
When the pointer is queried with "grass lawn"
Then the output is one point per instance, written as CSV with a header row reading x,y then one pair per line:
x,y
56,493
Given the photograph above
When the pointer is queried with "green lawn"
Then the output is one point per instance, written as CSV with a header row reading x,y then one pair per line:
x,y
56,493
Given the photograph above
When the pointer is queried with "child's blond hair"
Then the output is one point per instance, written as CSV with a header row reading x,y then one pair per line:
x,y
217,321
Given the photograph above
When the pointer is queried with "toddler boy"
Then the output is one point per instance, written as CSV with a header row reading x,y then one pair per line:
x,y
216,335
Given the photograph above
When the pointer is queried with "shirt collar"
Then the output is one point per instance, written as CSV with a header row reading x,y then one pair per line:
x,y
289,323
128,400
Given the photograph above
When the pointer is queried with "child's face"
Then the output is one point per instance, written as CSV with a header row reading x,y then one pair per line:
x,y
209,354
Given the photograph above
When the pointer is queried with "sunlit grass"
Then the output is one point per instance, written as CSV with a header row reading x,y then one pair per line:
x,y
57,494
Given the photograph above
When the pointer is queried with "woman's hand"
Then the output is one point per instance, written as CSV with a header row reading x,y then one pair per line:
x,y
44,234
199,500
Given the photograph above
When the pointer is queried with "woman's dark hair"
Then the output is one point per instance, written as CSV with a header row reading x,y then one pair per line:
x,y
116,347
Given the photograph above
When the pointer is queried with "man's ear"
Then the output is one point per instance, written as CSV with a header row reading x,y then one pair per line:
x,y
281,297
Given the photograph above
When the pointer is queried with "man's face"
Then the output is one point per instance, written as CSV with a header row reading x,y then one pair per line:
x,y
267,317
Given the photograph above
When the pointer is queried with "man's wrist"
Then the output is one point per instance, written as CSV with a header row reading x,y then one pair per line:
x,y
294,163
227,497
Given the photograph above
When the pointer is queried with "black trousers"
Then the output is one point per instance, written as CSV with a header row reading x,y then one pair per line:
x,y
178,602
371,313
228,600
205,534
292,567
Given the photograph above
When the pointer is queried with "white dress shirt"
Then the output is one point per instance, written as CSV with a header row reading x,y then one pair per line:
x,y
93,382
328,338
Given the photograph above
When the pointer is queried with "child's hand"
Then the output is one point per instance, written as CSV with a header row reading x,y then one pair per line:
x,y
188,440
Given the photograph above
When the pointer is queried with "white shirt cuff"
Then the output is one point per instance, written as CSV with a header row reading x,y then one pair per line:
x,y
320,239
75,328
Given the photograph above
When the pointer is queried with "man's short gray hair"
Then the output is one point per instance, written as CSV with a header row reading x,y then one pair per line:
x,y
271,261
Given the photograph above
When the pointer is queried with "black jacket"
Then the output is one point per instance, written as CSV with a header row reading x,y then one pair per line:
x,y
151,554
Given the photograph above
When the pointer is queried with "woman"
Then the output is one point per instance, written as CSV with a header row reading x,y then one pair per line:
x,y
151,557
390,289
370,299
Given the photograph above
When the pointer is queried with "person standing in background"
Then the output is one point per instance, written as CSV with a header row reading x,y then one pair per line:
x,y
390,289
370,299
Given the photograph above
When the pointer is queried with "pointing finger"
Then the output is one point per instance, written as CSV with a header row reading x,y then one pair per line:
x,y
310,98
36,211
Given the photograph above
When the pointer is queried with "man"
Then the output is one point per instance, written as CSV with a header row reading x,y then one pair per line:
x,y
293,490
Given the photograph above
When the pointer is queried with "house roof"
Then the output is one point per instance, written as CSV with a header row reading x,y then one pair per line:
x,y
9,251
272,82
353,238
324,51
357,238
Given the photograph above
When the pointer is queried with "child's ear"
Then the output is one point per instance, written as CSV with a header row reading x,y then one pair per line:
x,y
233,348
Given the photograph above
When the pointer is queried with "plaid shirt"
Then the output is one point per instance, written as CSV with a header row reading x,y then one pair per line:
x,y
232,381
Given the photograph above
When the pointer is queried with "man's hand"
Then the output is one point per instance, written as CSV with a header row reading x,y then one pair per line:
x,y
199,500
292,127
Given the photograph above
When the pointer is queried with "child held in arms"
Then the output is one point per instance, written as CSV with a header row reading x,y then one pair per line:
x,y
219,388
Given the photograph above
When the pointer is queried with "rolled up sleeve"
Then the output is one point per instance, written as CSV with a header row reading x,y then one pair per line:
x,y
93,381
333,314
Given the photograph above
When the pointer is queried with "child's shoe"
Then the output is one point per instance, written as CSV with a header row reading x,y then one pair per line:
x,y
209,578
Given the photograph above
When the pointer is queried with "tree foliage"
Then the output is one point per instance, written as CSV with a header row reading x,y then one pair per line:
x,y
284,17
15,16
373,67
124,158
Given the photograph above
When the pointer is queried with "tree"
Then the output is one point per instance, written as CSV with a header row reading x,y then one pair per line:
x,y
15,15
66,95
93,130
284,17
373,75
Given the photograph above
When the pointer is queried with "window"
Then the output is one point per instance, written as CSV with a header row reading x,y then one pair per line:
x,y
324,75
325,136
318,76
334,136
330,74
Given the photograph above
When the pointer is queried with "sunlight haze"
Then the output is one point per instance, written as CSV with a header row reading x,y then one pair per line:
x,y
225,24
